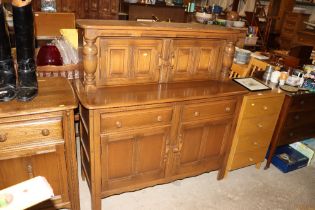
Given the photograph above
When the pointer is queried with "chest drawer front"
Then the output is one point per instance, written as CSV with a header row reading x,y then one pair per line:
x,y
298,119
260,126
243,159
253,142
30,131
210,109
135,119
303,102
263,106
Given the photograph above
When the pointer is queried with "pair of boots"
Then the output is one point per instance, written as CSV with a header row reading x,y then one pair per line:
x,y
26,88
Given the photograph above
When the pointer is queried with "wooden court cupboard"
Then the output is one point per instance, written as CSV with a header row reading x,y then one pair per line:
x,y
37,139
154,103
256,123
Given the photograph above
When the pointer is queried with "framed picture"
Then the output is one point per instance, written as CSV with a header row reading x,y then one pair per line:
x,y
251,84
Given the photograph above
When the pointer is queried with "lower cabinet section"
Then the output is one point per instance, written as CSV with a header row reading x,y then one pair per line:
x,y
46,162
134,157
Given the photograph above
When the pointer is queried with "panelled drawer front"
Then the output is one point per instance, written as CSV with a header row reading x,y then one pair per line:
x,y
263,106
205,110
30,131
243,159
290,135
253,142
134,119
260,126
303,102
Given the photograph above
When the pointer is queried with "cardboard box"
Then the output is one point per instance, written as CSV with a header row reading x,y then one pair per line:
x,y
288,159
305,150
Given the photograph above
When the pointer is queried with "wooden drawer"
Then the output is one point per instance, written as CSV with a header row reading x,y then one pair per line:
x,y
263,106
298,119
290,135
260,126
303,102
135,119
253,142
205,110
246,158
30,131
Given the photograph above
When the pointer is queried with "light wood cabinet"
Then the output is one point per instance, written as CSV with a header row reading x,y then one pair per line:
x,y
37,139
256,124
152,107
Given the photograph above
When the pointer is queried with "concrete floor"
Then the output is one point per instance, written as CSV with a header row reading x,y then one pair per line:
x,y
245,189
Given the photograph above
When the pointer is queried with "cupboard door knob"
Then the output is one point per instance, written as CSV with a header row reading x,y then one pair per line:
x,y
227,109
196,114
260,125
118,124
251,159
3,137
159,118
45,132
265,108
176,149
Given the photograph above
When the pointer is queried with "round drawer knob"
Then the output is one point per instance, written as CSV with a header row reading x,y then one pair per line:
x,y
291,134
255,143
302,102
45,132
196,114
265,108
297,117
118,124
252,104
3,137
159,118
227,109
251,159
260,125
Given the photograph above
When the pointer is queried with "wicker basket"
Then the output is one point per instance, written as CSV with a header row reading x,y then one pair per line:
x,y
71,71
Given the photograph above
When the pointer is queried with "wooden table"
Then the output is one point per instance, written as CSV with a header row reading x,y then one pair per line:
x,y
37,139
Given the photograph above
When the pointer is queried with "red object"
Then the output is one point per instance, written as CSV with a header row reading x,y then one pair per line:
x,y
49,55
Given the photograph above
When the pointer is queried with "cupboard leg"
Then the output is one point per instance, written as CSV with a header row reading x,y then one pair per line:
x,y
96,202
258,165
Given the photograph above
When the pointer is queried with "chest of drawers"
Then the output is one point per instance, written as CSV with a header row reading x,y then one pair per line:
x,y
256,123
37,139
296,121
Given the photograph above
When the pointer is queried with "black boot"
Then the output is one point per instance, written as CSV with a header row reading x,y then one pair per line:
x,y
7,72
25,50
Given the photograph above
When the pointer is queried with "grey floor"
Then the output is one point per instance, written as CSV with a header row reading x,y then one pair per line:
x,y
245,189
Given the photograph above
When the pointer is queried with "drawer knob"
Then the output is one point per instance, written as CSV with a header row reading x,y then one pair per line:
x,y
265,108
159,118
227,109
3,137
251,159
45,132
196,114
291,134
302,102
260,125
253,104
118,124
255,143
296,117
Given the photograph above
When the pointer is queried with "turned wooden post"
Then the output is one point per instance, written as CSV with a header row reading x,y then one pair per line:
x,y
227,60
89,62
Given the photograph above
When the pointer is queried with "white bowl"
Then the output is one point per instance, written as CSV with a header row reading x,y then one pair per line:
x,y
238,24
203,17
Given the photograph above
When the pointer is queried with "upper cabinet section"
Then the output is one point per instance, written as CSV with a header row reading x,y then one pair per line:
x,y
129,52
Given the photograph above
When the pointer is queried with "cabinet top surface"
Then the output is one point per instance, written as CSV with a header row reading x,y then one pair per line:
x,y
54,94
148,26
110,97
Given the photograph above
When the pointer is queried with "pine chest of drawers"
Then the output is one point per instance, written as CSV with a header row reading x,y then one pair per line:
x,y
256,123
37,139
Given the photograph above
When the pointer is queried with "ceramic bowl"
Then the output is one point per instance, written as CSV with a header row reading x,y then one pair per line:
x,y
239,24
203,17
